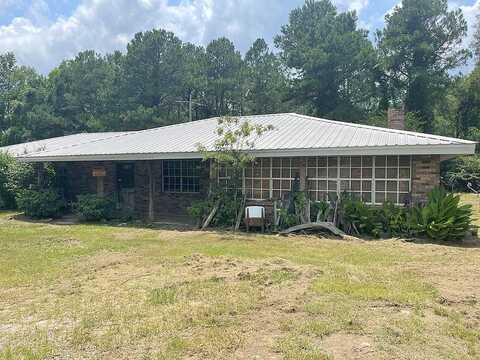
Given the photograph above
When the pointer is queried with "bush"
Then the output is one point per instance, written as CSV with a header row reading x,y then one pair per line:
x,y
394,220
40,204
442,218
14,176
459,172
356,217
94,208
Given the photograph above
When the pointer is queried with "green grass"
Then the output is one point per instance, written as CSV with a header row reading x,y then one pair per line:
x,y
101,291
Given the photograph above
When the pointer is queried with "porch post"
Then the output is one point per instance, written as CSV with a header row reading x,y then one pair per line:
x,y
151,191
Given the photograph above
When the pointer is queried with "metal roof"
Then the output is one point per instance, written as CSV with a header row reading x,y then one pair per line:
x,y
34,147
293,135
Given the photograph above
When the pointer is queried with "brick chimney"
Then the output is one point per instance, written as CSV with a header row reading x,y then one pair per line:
x,y
396,118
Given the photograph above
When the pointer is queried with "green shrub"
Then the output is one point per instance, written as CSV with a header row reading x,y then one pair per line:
x,y
319,211
459,172
94,208
14,176
394,220
40,204
442,218
356,217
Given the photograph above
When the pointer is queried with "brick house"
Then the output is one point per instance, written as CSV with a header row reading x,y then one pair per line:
x,y
157,173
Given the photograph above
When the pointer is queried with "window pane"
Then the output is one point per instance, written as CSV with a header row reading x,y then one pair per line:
x,y
391,186
311,173
380,173
312,184
344,185
404,161
332,185
276,173
404,173
380,161
367,161
366,185
367,173
392,173
356,173
332,173
322,185
392,197
380,185
345,173
322,162
355,185
332,161
367,197
392,161
379,197
312,162
404,186
322,173
345,161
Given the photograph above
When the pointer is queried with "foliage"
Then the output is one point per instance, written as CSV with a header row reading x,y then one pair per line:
x,y
320,211
394,220
40,204
230,151
442,217
356,217
14,176
418,46
333,61
458,173
92,207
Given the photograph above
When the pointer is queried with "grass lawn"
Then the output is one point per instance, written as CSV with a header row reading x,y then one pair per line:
x,y
106,292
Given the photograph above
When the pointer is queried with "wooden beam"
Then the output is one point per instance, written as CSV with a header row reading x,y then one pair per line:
x,y
151,192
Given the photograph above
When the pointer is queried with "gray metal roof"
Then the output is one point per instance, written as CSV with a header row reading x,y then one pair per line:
x,y
34,147
293,135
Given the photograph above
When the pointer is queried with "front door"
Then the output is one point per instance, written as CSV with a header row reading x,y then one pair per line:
x,y
126,187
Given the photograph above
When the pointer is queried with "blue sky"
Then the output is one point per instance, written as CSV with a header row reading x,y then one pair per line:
x,y
43,32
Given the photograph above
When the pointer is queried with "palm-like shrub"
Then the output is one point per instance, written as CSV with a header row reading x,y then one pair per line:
x,y
442,218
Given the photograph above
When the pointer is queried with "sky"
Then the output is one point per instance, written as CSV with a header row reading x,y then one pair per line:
x,y
42,33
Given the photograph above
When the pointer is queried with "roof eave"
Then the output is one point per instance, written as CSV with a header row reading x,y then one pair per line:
x,y
441,149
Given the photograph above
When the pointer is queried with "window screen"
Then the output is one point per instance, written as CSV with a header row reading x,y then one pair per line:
x,y
181,176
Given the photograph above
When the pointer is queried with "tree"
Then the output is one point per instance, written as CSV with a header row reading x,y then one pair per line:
x,y
476,41
331,61
154,72
266,81
78,86
230,154
223,71
419,45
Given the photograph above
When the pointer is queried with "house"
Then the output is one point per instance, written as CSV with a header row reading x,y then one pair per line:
x,y
159,172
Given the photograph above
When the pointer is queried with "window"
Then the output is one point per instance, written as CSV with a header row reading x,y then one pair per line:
x,y
392,179
322,175
372,179
181,176
126,175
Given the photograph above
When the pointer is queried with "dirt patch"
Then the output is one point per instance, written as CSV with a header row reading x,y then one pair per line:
x,y
349,347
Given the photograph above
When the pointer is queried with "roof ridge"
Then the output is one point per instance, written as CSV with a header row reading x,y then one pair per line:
x,y
387,130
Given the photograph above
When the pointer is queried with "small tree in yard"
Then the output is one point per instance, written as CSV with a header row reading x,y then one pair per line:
x,y
231,152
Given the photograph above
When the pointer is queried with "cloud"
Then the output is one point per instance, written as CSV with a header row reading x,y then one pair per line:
x,y
107,25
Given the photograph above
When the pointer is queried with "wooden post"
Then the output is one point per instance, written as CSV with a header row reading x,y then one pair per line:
x,y
151,192
275,215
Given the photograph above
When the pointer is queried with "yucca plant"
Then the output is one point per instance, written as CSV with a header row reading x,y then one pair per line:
x,y
442,218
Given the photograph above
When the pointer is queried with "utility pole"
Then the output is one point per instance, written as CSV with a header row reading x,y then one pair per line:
x,y
190,105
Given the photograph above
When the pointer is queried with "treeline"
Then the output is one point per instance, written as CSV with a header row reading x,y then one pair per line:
x,y
324,64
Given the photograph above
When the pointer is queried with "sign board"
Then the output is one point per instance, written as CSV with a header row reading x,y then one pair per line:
x,y
99,172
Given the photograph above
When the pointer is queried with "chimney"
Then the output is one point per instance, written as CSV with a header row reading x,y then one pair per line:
x,y
396,118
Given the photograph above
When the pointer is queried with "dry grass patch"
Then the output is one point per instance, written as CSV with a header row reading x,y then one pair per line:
x,y
105,292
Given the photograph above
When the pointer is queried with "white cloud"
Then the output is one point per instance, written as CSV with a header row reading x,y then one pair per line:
x,y
107,25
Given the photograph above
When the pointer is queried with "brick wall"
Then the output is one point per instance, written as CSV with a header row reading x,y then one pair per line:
x,y
425,176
